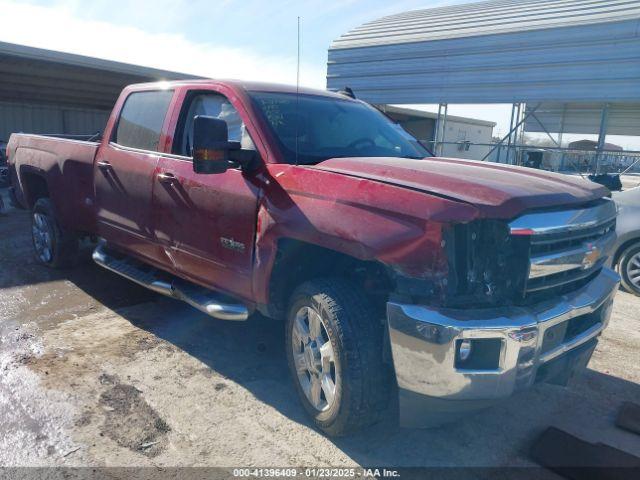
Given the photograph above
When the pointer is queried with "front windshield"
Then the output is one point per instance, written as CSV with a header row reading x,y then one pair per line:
x,y
328,127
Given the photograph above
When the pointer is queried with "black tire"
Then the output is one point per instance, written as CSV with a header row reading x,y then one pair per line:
x,y
63,245
630,254
355,331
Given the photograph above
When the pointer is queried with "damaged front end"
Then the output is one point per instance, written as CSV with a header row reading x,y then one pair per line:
x,y
484,266
523,301
488,266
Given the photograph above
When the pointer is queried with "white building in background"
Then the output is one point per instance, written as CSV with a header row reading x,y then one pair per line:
x,y
463,137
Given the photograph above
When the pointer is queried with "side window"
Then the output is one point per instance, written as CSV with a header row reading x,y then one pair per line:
x,y
141,119
213,105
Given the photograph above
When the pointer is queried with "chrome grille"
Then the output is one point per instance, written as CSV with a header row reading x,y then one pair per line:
x,y
567,247
562,241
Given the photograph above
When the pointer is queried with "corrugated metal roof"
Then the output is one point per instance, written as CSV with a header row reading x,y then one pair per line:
x,y
623,118
486,18
35,75
501,51
64,58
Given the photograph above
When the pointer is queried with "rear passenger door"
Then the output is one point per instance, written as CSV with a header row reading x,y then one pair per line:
x,y
125,174
207,223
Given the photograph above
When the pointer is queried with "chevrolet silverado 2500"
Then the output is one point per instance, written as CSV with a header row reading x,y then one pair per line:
x,y
449,283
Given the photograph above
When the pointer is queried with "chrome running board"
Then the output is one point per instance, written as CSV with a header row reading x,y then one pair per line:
x,y
205,300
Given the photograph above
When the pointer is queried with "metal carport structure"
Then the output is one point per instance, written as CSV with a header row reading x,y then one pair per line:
x,y
535,52
44,91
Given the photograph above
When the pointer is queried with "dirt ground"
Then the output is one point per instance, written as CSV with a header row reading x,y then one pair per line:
x,y
95,371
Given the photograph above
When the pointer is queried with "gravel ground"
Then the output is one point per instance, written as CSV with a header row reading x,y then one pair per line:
x,y
95,371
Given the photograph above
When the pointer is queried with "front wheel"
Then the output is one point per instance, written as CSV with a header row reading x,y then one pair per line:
x,y
334,350
629,269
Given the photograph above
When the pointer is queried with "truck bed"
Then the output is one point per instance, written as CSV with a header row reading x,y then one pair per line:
x,y
67,166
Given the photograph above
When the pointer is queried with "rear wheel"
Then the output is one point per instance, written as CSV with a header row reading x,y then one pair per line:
x,y
53,246
629,269
334,351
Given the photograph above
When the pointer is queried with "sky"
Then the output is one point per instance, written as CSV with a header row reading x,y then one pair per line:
x,y
248,39
244,39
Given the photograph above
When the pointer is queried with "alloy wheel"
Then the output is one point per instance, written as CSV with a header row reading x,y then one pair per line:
x,y
314,359
42,237
633,270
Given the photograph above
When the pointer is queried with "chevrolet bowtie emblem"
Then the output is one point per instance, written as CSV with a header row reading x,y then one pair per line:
x,y
591,257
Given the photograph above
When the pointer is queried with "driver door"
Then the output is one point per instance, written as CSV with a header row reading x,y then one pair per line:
x,y
207,223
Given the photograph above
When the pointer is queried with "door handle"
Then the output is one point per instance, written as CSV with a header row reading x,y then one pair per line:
x,y
166,177
103,165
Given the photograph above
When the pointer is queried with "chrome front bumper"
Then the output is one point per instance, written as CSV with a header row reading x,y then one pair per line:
x,y
424,342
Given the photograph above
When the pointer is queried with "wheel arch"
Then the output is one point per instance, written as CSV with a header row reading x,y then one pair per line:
x,y
34,185
624,246
298,261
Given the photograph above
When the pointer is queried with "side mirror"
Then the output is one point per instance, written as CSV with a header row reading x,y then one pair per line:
x,y
211,145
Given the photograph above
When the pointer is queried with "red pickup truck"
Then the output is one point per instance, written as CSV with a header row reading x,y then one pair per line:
x,y
449,283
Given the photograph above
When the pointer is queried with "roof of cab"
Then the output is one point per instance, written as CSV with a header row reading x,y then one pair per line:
x,y
240,84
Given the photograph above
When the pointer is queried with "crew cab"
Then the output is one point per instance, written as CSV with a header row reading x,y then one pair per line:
x,y
450,283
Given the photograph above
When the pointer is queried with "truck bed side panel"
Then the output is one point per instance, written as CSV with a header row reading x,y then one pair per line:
x,y
67,168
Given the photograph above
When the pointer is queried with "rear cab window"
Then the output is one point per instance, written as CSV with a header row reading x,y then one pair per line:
x,y
141,119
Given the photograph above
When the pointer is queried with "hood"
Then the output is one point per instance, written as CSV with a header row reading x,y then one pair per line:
x,y
498,191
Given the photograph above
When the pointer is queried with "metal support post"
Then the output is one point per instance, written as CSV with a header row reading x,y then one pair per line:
x,y
436,133
510,132
602,136
513,113
560,134
444,128
518,137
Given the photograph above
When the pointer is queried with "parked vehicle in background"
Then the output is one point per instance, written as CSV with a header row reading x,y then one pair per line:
x,y
626,256
451,283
